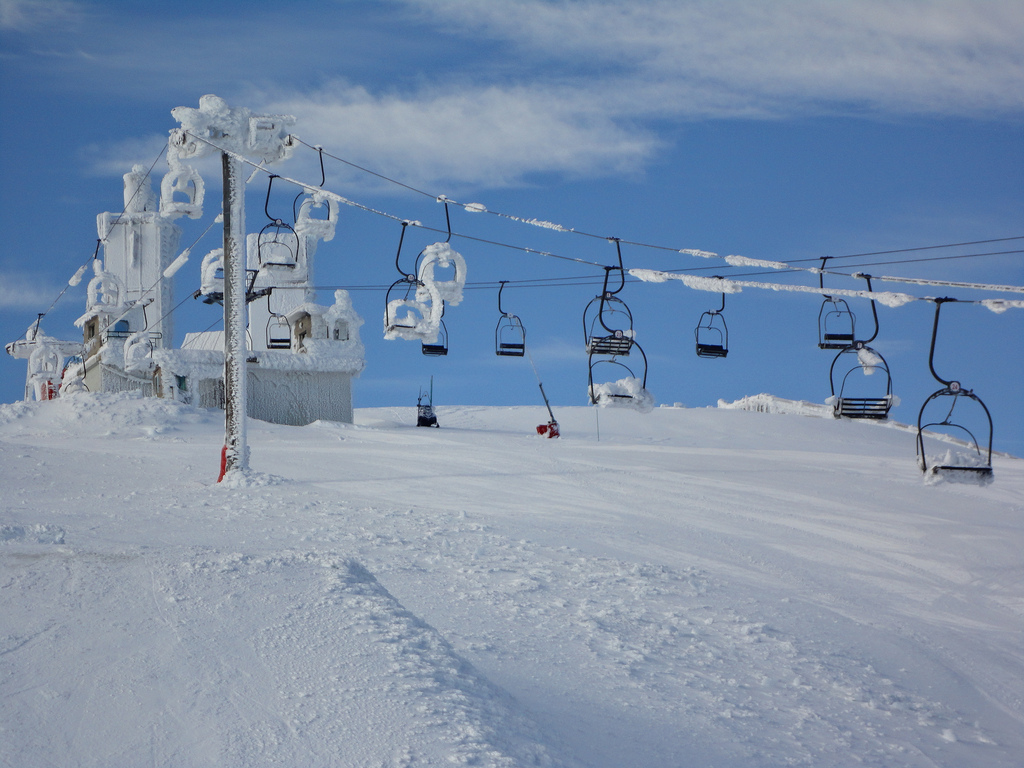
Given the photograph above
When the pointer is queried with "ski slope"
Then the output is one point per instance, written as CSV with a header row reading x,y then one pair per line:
x,y
688,587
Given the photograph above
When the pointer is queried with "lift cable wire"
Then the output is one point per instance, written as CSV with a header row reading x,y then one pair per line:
x,y
717,267
739,261
888,298
913,280
345,201
478,208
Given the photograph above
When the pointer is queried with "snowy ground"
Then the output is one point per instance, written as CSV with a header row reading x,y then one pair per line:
x,y
703,587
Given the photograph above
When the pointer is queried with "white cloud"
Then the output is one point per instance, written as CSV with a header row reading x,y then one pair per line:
x,y
898,56
590,87
21,291
34,15
471,135
118,158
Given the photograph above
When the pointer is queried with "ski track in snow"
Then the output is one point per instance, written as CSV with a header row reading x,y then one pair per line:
x,y
700,587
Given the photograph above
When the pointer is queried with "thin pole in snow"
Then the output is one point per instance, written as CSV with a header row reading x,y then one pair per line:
x,y
539,382
236,454
241,134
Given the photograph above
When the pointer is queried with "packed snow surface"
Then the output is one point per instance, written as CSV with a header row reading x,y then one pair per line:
x,y
687,587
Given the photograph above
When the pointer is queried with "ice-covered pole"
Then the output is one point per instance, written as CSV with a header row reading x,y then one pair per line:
x,y
235,398
238,136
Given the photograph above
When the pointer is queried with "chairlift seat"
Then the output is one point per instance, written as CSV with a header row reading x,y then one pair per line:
x,y
836,341
398,326
951,471
434,350
711,350
506,349
278,248
279,333
610,345
863,407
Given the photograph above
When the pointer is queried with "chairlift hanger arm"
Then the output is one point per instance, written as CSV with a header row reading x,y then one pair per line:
x,y
447,217
605,297
407,277
622,271
874,310
931,351
266,203
501,288
721,308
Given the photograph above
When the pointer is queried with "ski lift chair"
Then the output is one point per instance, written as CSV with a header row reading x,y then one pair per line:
x,y
509,334
870,407
510,337
439,347
610,329
277,245
406,325
981,466
835,324
392,319
977,467
712,334
596,398
279,333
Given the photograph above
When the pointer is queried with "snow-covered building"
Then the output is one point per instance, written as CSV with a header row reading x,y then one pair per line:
x,y
127,313
300,358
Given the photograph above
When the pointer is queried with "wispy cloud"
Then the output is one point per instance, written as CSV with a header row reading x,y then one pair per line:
x,y
584,88
952,57
486,134
20,291
588,80
117,158
34,15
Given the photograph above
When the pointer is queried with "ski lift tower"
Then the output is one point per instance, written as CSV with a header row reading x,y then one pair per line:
x,y
239,136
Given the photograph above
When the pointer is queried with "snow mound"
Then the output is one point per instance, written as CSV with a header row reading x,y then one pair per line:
x,y
120,414
765,403
628,392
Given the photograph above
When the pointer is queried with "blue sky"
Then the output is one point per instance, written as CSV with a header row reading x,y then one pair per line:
x,y
781,131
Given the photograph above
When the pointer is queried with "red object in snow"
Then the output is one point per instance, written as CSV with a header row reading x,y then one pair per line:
x,y
548,430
